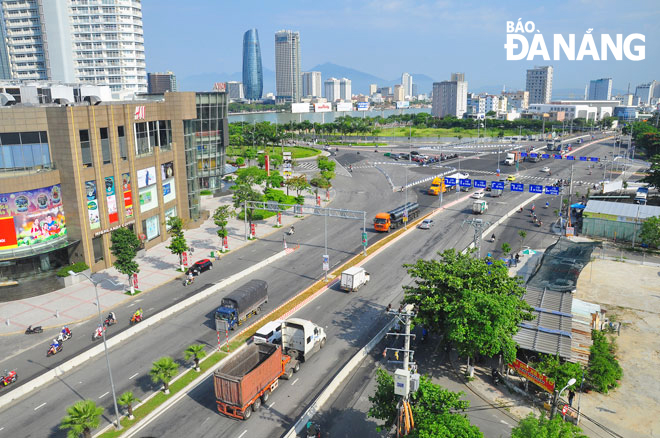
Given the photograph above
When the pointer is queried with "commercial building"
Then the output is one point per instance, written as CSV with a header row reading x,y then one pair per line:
x,y
253,77
625,99
70,174
450,97
332,89
600,89
517,99
399,94
235,90
407,84
539,84
159,83
43,92
585,109
644,92
616,220
345,91
311,84
287,66
373,89
91,41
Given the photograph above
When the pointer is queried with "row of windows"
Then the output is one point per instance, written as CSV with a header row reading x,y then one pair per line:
x,y
24,151
106,155
152,134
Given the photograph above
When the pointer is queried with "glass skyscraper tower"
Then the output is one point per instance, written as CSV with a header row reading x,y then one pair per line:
x,y
253,79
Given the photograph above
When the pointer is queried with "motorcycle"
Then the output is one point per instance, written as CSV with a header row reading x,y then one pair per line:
x,y
497,377
98,334
64,336
313,430
52,350
109,321
8,377
290,232
136,318
188,281
32,330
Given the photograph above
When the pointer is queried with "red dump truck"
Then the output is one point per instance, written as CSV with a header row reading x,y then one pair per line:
x,y
246,379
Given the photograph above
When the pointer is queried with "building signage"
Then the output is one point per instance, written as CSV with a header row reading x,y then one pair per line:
x,y
92,205
111,199
533,188
363,106
220,86
128,195
140,113
532,375
146,177
111,229
480,184
322,107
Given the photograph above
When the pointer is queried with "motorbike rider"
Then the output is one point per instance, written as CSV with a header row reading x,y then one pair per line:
x,y
547,204
112,317
292,230
99,331
138,314
492,238
191,277
54,345
66,331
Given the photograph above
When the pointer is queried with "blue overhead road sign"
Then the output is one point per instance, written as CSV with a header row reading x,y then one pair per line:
x,y
534,188
517,187
479,184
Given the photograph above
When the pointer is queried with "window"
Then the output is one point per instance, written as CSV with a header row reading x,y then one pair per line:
x,y
123,150
97,245
141,140
85,148
105,146
165,134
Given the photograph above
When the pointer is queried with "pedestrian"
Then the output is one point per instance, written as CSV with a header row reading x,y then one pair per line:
x,y
517,259
571,396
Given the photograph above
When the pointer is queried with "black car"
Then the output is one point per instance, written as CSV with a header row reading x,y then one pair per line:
x,y
200,266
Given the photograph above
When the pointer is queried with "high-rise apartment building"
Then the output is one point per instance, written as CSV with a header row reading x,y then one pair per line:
x,y
644,92
450,97
159,83
311,84
332,89
399,93
373,89
539,84
407,84
345,91
600,89
287,66
87,41
253,77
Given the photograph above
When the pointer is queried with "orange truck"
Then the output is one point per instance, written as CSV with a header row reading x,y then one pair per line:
x,y
437,186
247,378
395,218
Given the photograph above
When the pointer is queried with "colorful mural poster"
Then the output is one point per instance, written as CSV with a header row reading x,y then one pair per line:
x,y
128,194
111,199
146,177
31,217
92,205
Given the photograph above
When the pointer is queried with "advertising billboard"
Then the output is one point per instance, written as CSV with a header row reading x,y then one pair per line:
x,y
322,107
92,205
128,194
167,178
363,106
344,106
402,104
146,177
167,170
111,198
299,108
31,217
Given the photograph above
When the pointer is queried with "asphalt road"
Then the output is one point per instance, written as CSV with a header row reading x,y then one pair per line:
x,y
348,324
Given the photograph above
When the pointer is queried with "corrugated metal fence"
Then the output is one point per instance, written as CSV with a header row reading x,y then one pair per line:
x,y
608,229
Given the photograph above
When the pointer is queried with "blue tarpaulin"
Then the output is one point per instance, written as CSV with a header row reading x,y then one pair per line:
x,y
579,206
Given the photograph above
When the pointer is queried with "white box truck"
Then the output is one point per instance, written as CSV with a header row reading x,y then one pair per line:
x,y
301,338
353,279
479,207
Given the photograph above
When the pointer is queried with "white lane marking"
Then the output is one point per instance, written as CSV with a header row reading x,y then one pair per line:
x,y
104,394
150,308
269,406
40,406
133,376
504,422
1,428
294,382
244,432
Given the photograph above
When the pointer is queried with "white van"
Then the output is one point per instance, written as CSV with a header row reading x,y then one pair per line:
x,y
270,333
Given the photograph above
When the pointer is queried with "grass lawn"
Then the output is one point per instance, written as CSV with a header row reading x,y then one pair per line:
x,y
260,214
296,151
446,132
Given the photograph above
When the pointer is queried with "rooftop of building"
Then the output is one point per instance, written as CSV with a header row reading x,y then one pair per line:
x,y
620,209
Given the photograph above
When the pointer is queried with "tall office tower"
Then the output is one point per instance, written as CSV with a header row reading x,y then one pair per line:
x,y
398,93
87,41
345,92
311,84
539,84
287,66
450,97
373,89
644,92
407,84
600,89
253,77
332,89
159,83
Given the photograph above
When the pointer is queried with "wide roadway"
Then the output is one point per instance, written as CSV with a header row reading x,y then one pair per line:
x,y
39,414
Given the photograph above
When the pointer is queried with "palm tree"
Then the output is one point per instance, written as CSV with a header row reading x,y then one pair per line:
x,y
522,234
163,370
128,399
81,418
196,352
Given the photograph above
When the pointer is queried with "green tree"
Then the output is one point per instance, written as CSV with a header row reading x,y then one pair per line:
x,y
650,232
541,427
324,163
522,234
491,114
506,248
477,306
250,154
653,175
178,244
242,193
559,371
604,371
298,183
128,399
196,352
163,371
433,409
221,217
275,179
81,418
125,245
251,176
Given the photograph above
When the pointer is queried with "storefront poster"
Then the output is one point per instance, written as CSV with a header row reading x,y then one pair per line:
x,y
153,229
146,177
167,170
148,198
128,194
92,205
111,199
31,217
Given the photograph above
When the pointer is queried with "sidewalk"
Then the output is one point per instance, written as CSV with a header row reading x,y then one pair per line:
x,y
157,266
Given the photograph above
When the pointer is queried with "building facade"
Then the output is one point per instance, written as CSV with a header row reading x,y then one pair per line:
x,y
517,99
373,89
234,90
345,89
311,84
585,109
407,84
159,83
287,66
644,93
332,89
399,93
450,97
253,77
539,84
87,41
600,89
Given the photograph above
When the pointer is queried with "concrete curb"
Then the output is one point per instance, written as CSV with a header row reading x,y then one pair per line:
x,y
336,381
60,370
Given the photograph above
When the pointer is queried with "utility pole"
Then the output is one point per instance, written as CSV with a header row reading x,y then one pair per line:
x,y
570,196
478,225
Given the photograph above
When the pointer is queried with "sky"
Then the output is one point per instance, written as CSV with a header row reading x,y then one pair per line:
x,y
388,37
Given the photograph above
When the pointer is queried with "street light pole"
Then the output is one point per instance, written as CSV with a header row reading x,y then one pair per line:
x,y
105,344
553,411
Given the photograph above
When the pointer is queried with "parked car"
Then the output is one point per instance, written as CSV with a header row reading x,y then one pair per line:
x,y
478,195
200,266
426,224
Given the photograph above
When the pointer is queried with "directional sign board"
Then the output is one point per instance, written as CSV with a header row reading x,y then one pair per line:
x,y
523,154
497,185
551,190
545,156
583,158
533,155
480,184
465,182
593,158
557,156
570,157
517,187
450,181
533,188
